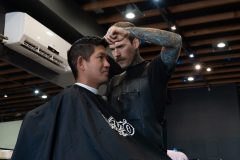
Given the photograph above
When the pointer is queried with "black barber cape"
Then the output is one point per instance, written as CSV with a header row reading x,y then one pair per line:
x,y
73,126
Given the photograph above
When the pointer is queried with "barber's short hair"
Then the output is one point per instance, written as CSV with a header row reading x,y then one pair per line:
x,y
83,47
125,25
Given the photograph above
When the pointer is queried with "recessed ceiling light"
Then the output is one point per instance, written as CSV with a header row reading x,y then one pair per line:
x,y
131,11
198,67
5,95
208,69
36,91
130,15
191,55
173,28
221,45
190,79
44,96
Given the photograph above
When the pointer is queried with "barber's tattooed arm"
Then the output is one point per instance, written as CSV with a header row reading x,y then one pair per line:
x,y
171,42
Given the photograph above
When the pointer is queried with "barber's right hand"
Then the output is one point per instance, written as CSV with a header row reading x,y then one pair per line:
x,y
115,34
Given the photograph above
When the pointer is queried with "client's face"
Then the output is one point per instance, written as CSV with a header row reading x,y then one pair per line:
x,y
97,67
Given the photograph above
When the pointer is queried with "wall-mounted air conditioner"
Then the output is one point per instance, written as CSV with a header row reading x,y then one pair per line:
x,y
35,41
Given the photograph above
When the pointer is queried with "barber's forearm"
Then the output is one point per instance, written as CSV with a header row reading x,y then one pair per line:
x,y
169,56
157,36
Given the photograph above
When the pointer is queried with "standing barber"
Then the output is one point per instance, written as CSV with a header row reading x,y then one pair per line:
x,y
139,93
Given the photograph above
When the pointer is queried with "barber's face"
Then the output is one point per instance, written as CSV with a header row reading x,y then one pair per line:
x,y
97,67
123,52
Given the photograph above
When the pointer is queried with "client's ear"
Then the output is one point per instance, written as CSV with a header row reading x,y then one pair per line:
x,y
80,63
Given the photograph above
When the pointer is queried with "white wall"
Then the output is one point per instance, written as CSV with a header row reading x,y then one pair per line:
x,y
9,133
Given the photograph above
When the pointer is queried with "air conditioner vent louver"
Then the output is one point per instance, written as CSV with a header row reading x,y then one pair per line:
x,y
30,46
39,52
45,54
33,40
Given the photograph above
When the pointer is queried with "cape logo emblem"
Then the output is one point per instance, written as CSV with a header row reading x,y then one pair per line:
x,y
123,127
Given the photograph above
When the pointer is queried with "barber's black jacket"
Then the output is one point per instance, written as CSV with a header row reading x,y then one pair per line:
x,y
139,95
74,126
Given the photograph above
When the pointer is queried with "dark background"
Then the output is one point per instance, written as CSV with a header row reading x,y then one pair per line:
x,y
203,124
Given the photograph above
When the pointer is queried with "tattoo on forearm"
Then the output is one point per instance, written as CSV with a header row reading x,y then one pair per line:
x,y
170,41
170,56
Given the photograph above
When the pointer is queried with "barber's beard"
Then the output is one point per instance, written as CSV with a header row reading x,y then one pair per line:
x,y
120,59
